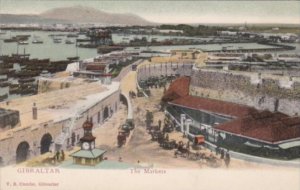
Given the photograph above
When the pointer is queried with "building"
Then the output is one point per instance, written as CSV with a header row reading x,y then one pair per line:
x,y
88,154
54,122
237,127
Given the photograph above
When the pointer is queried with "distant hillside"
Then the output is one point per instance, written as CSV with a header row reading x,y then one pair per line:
x,y
76,14
26,19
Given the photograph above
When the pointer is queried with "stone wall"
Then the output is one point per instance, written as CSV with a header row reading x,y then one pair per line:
x,y
96,114
261,91
11,139
32,135
166,69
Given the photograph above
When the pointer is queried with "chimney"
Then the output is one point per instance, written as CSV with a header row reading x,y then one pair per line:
x,y
34,112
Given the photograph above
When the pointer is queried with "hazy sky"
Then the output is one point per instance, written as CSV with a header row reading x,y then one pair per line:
x,y
175,11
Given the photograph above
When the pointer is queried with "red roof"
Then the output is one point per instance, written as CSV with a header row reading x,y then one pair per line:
x,y
260,125
95,67
215,106
265,126
177,89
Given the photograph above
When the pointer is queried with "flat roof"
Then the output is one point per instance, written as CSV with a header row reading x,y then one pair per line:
x,y
59,105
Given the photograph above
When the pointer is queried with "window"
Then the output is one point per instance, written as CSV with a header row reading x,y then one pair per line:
x,y
87,161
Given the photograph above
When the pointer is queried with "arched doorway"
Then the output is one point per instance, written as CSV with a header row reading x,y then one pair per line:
x,y
105,113
22,152
45,143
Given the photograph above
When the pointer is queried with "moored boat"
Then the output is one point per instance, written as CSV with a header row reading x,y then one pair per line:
x,y
23,43
69,41
57,40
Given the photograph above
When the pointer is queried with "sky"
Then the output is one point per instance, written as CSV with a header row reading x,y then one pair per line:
x,y
175,11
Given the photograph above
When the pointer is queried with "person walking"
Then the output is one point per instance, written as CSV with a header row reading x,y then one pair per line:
x,y
62,155
222,153
227,159
217,150
57,155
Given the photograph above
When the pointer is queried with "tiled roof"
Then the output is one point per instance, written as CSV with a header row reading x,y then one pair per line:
x,y
215,106
260,125
178,88
92,67
269,127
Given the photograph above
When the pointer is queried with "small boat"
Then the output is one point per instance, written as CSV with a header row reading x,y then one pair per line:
x,y
9,40
57,40
72,36
69,41
23,43
23,36
76,58
37,41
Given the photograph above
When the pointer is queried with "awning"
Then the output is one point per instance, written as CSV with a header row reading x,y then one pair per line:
x,y
252,144
289,144
271,147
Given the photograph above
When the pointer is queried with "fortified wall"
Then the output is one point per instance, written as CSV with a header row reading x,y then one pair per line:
x,y
262,91
59,118
154,69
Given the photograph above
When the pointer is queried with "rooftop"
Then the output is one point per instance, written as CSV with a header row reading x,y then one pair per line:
x,y
60,104
95,153
215,106
265,126
178,88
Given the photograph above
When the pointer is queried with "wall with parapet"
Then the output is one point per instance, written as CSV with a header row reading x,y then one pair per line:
x,y
151,69
10,139
262,91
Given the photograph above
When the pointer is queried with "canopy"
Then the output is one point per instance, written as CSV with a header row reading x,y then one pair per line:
x,y
289,144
